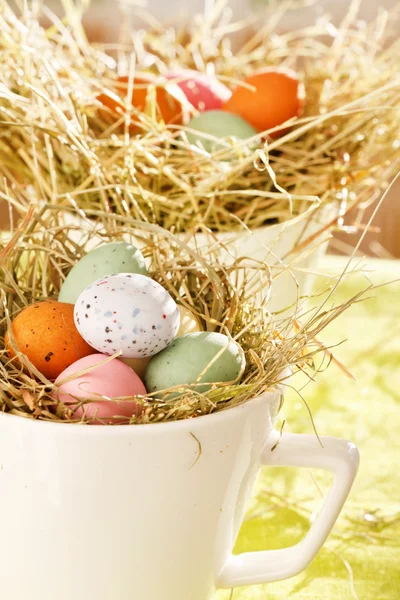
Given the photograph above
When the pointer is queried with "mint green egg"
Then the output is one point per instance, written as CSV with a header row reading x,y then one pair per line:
x,y
187,357
220,124
116,257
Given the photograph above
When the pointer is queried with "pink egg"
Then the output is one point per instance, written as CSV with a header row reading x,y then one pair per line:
x,y
203,91
112,380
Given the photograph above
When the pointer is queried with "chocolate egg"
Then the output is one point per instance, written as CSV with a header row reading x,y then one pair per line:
x,y
100,383
220,125
45,332
116,257
127,312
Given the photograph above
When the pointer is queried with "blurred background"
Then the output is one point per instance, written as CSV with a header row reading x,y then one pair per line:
x,y
106,19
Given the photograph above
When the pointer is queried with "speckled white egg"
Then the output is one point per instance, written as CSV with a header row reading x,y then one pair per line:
x,y
127,312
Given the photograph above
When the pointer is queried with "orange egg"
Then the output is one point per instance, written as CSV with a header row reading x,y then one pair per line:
x,y
45,332
168,108
277,96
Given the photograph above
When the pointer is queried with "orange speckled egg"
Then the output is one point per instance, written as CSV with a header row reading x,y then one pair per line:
x,y
168,107
45,332
276,97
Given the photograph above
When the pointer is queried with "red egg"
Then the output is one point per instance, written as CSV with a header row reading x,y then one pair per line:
x,y
203,91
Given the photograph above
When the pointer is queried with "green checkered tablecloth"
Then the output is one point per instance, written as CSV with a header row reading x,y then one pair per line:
x,y
362,555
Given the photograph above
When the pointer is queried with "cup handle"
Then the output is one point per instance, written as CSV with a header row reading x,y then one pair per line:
x,y
298,450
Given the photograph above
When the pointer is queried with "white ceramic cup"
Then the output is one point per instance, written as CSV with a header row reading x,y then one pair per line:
x,y
149,512
292,250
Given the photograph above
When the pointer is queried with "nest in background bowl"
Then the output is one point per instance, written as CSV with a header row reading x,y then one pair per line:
x,y
55,137
36,256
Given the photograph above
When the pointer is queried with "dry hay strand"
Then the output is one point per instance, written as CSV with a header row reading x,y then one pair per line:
x,y
56,136
37,254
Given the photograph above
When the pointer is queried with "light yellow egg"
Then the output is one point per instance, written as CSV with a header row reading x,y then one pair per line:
x,y
139,365
189,322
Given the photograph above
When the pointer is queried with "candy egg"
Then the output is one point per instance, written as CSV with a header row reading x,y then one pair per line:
x,y
117,257
189,322
192,359
45,332
112,379
218,124
127,312
168,108
203,91
275,97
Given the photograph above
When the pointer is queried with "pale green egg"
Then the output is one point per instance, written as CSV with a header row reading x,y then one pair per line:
x,y
190,359
219,124
116,257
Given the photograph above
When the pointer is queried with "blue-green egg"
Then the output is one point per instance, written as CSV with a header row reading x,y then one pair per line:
x,y
203,358
219,124
116,257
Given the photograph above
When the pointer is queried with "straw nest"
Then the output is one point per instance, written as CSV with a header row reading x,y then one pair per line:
x,y
56,136
36,256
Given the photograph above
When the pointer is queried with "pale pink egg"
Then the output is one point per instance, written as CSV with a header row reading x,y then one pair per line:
x,y
203,91
114,379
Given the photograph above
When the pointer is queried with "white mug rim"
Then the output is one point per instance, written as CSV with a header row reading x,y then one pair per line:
x,y
142,428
